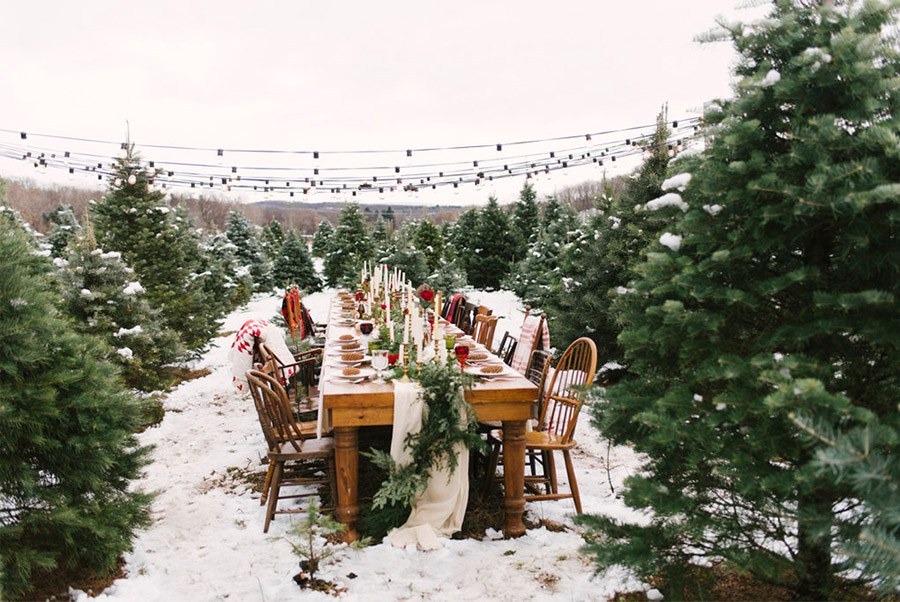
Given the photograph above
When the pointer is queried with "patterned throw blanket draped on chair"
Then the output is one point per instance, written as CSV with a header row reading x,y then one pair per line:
x,y
241,354
526,342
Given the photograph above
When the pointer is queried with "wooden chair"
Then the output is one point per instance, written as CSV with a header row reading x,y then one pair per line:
x,y
483,332
563,400
295,377
467,321
484,310
507,348
286,445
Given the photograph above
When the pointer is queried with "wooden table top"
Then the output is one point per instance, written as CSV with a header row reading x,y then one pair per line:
x,y
494,399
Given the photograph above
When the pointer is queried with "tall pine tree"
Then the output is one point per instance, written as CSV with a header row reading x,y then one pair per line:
x,y
773,297
161,246
489,262
322,238
595,265
248,250
103,298
64,228
525,220
350,246
294,265
67,448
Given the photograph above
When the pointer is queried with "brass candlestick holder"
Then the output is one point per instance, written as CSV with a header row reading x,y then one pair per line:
x,y
405,359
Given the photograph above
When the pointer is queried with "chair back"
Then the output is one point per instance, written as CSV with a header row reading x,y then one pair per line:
x,y
274,411
537,374
507,348
484,310
564,395
484,329
303,372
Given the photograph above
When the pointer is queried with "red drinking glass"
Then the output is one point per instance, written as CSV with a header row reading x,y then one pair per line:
x,y
462,353
366,328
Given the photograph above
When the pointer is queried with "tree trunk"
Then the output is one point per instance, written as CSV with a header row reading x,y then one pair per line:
x,y
814,521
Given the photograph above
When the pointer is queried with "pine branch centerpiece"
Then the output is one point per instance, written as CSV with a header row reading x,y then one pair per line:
x,y
448,419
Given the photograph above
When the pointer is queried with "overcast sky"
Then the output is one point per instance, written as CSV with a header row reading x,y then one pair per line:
x,y
353,74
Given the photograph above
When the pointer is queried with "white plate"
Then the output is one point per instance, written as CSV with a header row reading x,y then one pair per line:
x,y
363,373
476,371
365,359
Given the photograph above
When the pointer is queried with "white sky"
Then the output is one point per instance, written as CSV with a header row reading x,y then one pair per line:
x,y
353,74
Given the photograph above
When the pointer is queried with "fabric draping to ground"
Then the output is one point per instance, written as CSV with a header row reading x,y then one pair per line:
x,y
440,510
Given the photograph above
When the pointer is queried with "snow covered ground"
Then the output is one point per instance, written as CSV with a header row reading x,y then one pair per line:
x,y
207,543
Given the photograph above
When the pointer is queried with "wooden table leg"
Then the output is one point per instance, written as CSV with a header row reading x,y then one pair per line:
x,y
514,476
346,459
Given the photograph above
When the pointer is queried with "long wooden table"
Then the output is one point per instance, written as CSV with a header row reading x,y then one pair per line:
x,y
351,406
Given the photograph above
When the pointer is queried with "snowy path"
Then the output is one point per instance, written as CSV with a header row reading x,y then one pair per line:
x,y
207,542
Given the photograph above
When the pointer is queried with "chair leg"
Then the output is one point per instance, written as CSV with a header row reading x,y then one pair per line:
x,y
492,466
274,491
551,469
332,482
265,488
573,484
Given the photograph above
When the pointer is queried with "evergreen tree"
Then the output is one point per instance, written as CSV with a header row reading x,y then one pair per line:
x,y
595,267
226,285
535,275
322,238
67,446
160,245
463,236
490,261
428,239
379,233
64,229
525,220
294,265
272,240
350,246
248,250
774,296
103,298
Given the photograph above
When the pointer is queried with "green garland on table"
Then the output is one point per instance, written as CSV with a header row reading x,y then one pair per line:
x,y
448,419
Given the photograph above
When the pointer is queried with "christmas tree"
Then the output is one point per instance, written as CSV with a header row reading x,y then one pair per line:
x,y
596,259
490,260
525,220
535,275
322,238
160,244
294,265
64,229
230,284
67,449
104,299
350,246
771,301
248,250
428,239
272,240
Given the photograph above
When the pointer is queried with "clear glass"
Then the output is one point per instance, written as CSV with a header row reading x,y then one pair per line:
x,y
380,361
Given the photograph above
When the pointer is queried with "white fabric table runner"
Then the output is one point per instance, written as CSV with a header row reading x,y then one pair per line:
x,y
440,510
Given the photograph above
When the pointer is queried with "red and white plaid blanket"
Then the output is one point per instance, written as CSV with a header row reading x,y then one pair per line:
x,y
526,342
241,354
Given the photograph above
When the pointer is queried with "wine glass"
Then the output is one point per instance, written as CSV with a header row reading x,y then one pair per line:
x,y
380,361
366,328
462,353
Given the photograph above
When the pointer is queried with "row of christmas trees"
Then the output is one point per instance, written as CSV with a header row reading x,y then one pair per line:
x,y
749,293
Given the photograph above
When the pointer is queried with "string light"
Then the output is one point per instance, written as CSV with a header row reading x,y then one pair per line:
x,y
335,176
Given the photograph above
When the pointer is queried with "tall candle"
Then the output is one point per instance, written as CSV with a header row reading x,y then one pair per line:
x,y
406,326
391,330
